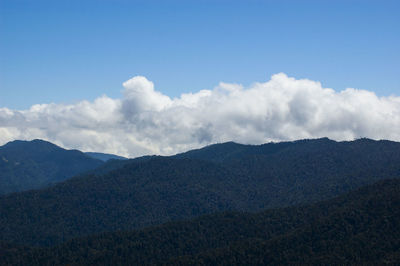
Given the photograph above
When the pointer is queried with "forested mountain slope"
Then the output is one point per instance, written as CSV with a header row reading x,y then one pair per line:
x,y
304,170
152,190
361,227
136,195
35,164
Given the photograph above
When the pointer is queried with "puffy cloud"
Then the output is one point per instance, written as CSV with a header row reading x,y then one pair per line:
x,y
145,121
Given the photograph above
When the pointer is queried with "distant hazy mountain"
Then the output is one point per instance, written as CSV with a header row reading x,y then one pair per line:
x,y
152,190
360,228
35,164
104,156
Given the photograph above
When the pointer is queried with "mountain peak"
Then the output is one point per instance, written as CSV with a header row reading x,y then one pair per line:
x,y
15,143
39,163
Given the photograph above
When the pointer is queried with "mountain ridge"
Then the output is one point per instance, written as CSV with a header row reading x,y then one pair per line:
x,y
35,164
156,189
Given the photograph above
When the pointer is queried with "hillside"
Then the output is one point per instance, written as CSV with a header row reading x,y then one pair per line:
x,y
138,195
153,190
305,170
26,165
358,228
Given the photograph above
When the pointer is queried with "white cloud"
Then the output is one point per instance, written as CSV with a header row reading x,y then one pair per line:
x,y
144,121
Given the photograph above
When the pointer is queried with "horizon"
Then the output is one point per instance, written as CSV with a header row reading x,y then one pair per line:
x,y
202,147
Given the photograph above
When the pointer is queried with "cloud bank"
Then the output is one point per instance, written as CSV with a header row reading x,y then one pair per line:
x,y
145,121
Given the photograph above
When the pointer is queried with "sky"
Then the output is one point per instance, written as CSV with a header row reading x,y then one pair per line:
x,y
160,77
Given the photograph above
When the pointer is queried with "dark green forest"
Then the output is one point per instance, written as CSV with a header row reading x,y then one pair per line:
x,y
153,190
223,204
361,227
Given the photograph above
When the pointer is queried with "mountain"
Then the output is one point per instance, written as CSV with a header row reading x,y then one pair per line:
x,y
137,195
220,152
36,164
153,189
104,156
361,227
305,170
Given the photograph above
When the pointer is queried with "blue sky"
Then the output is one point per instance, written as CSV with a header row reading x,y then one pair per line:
x,y
143,77
67,51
